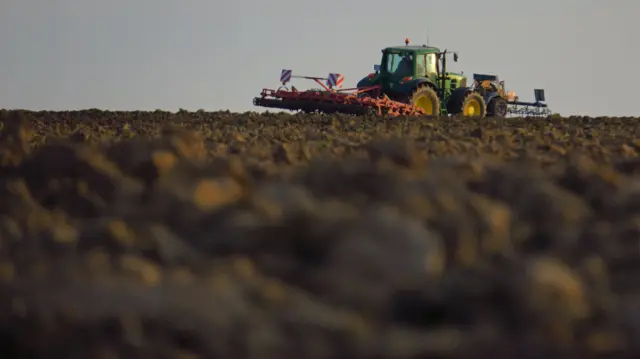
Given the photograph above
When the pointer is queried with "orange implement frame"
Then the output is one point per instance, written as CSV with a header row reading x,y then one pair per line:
x,y
356,101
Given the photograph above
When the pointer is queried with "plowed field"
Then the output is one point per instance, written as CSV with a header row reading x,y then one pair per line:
x,y
222,235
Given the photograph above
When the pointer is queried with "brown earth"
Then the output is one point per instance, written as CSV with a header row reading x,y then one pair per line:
x,y
221,235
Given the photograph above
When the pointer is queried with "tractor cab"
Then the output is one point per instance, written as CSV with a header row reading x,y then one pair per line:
x,y
404,68
399,63
488,83
400,67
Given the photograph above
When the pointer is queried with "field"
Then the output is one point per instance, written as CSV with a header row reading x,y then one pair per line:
x,y
222,235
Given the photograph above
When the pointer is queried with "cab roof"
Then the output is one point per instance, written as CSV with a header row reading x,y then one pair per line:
x,y
414,48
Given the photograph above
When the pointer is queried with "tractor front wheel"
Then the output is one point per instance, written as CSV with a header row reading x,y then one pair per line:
x,y
474,106
426,98
497,107
466,102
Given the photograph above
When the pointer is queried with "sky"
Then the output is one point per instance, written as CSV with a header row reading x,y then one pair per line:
x,y
218,55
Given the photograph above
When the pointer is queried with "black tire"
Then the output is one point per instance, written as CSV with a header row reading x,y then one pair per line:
x,y
497,107
426,98
456,100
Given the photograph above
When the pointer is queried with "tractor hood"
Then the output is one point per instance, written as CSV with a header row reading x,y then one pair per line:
x,y
460,78
370,80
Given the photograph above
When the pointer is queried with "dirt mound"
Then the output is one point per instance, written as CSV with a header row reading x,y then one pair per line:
x,y
219,235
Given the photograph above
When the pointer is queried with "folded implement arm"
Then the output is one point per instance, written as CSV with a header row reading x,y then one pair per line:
x,y
354,101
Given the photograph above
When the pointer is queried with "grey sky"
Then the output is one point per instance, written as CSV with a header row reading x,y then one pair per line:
x,y
170,54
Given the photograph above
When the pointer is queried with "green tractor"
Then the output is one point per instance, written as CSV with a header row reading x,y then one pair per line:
x,y
418,75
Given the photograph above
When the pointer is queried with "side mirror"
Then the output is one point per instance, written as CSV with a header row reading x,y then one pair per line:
x,y
376,68
455,57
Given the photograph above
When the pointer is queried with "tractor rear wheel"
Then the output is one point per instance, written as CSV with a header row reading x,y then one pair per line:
x,y
497,107
454,104
474,106
427,99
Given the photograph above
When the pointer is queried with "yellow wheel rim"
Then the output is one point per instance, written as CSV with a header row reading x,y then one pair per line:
x,y
472,108
426,104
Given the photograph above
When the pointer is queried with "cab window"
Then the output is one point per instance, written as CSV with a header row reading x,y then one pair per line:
x,y
431,63
400,64
393,60
421,65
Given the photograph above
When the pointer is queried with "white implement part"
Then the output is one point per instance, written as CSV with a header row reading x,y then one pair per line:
x,y
335,80
285,76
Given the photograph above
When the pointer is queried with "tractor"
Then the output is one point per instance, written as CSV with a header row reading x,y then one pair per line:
x,y
409,81
418,75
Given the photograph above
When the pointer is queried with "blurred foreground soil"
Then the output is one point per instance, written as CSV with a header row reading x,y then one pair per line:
x,y
222,235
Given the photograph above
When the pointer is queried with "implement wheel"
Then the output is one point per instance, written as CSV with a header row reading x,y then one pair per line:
x,y
474,106
426,98
497,107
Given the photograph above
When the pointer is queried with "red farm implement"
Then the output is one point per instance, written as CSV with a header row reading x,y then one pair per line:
x,y
332,98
